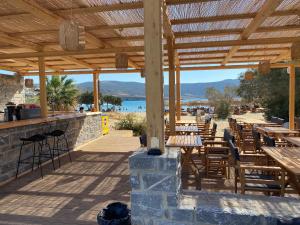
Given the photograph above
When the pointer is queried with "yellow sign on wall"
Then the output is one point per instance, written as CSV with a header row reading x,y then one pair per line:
x,y
105,125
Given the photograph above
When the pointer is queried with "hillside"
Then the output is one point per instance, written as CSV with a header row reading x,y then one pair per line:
x,y
137,90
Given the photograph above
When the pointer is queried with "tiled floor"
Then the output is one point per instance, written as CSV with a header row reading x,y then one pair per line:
x,y
74,193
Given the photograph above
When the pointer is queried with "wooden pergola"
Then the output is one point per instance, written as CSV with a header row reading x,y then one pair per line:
x,y
157,35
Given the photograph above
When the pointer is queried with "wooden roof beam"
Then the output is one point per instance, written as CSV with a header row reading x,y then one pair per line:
x,y
266,10
194,68
232,17
70,53
262,41
206,33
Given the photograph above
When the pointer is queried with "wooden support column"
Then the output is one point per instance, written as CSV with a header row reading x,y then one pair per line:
x,y
178,94
43,91
171,58
99,92
154,71
96,90
292,97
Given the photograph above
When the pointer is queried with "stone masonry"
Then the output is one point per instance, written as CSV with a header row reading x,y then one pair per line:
x,y
79,131
158,199
11,89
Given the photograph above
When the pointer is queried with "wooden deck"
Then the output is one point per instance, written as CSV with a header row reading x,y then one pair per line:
x,y
74,193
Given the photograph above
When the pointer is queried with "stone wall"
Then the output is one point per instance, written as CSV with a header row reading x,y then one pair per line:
x,y
80,130
157,198
11,89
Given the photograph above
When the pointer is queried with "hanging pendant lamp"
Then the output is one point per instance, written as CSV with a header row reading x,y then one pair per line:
x,y
71,36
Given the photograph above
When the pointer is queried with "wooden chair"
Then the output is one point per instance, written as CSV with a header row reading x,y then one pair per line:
x,y
272,142
245,139
216,155
209,133
257,178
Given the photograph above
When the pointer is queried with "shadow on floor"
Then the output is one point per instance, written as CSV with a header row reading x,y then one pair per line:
x,y
72,194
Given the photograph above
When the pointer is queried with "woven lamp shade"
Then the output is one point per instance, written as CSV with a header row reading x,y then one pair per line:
x,y
264,67
249,75
295,51
29,83
71,36
121,61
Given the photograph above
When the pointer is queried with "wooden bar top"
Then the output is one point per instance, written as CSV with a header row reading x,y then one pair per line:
x,y
20,123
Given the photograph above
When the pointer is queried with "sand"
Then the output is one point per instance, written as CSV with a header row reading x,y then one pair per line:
x,y
222,124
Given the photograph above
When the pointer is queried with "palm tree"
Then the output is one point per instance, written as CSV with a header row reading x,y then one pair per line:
x,y
61,92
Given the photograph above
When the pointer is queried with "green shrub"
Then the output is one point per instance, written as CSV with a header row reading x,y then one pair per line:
x,y
132,122
222,109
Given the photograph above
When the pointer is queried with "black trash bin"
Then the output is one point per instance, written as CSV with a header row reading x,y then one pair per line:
x,y
116,213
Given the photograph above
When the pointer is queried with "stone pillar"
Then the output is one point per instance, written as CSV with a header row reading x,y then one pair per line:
x,y
157,198
156,185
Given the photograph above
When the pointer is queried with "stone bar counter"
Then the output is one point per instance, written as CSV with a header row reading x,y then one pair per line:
x,y
82,128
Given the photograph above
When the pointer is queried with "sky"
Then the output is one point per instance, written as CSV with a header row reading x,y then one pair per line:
x,y
199,76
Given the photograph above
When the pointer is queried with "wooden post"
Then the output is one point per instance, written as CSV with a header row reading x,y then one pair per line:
x,y
154,73
43,91
99,91
171,58
96,91
292,97
178,94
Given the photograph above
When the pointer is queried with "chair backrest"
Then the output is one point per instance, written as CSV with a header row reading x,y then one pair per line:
x,y
269,141
234,151
214,129
280,121
274,119
143,140
297,122
256,136
208,120
228,136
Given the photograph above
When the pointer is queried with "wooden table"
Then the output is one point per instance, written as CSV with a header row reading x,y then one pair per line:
x,y
276,131
186,129
186,122
184,141
289,159
293,140
187,143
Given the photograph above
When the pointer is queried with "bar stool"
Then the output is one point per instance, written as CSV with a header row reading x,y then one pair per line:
x,y
39,141
59,136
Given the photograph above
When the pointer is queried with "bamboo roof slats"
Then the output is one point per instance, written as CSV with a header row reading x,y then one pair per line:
x,y
206,32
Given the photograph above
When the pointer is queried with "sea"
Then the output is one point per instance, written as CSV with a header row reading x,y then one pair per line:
x,y
139,105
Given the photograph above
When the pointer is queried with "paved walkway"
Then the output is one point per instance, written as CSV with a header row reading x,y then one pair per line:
x,y
74,193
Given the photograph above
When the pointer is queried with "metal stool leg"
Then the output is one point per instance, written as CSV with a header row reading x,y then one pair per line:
x,y
67,146
39,162
57,149
51,153
33,156
19,160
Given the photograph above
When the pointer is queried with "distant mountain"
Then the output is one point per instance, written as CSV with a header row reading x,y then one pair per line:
x,y
137,90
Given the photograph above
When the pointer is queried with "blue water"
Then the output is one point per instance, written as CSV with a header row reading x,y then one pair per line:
x,y
138,105
135,105
130,106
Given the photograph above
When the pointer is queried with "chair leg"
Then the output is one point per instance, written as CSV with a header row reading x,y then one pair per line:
x,y
19,160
